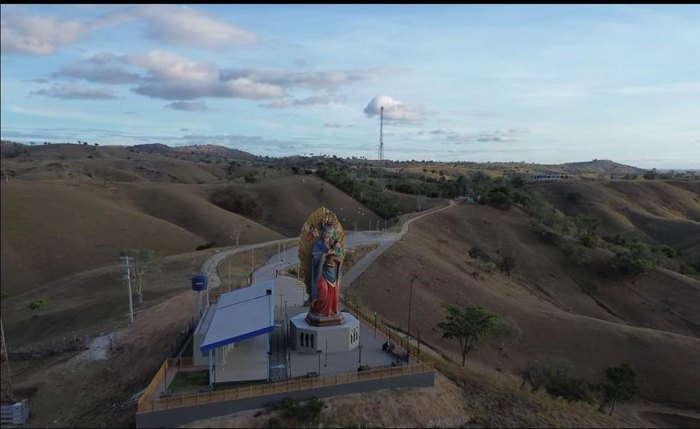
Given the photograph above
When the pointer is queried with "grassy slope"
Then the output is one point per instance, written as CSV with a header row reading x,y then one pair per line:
x,y
555,318
63,161
663,211
53,230
288,201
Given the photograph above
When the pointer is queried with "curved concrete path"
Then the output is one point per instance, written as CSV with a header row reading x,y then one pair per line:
x,y
289,257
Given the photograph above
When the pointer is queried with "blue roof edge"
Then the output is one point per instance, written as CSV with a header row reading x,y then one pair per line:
x,y
206,348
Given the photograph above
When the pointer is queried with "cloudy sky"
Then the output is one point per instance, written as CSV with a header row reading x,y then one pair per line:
x,y
537,83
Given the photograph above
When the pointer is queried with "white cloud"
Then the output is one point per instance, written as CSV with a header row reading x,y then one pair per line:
x,y
76,92
330,79
171,67
35,34
508,135
186,105
246,88
179,25
176,25
172,77
394,110
102,68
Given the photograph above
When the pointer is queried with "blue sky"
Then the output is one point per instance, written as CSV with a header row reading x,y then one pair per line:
x,y
534,83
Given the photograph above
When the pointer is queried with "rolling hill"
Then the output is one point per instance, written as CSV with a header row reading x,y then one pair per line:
x,y
563,308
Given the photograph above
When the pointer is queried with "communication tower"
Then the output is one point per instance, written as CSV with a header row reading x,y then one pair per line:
x,y
381,148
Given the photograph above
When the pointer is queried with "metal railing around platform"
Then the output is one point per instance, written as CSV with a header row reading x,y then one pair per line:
x,y
150,402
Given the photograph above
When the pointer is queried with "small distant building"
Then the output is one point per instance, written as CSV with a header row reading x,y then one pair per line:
x,y
310,171
539,177
233,336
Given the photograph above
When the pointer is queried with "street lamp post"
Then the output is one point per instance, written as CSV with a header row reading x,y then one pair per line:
x,y
375,324
408,329
318,352
360,359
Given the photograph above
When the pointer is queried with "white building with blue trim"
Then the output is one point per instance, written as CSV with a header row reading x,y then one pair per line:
x,y
233,335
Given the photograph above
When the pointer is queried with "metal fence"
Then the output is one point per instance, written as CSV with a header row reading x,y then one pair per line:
x,y
150,402
385,329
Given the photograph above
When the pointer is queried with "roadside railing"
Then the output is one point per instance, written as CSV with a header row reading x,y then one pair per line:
x,y
386,330
150,402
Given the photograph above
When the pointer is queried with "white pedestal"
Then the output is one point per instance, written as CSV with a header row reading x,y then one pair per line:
x,y
306,338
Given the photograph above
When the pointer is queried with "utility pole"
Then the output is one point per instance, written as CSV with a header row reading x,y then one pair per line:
x,y
7,392
128,283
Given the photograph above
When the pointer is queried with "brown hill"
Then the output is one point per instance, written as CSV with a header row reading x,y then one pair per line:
x,y
601,166
563,309
105,164
666,212
52,230
286,202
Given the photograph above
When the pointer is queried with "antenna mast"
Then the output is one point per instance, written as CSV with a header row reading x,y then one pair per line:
x,y
381,148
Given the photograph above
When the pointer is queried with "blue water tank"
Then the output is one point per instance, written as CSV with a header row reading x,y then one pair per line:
x,y
199,282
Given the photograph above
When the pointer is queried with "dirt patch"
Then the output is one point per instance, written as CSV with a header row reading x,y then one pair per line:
x,y
668,420
440,406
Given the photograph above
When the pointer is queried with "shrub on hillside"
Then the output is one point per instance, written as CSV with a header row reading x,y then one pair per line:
x,y
209,245
250,177
236,200
548,235
665,250
478,253
507,265
302,414
627,263
574,197
559,377
590,240
500,198
39,304
517,182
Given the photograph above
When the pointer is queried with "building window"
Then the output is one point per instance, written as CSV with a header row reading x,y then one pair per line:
x,y
306,340
301,339
312,341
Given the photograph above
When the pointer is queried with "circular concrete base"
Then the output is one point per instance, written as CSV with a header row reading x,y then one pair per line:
x,y
306,338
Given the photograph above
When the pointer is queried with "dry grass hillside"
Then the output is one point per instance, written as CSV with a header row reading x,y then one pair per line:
x,y
666,212
286,202
650,322
114,163
51,229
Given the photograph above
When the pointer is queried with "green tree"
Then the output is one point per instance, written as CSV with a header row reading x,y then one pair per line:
x,y
620,386
468,326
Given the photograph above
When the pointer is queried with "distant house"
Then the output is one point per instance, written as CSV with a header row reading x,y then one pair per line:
x,y
546,176
310,170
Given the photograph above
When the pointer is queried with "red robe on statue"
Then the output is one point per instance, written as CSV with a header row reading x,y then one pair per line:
x,y
326,303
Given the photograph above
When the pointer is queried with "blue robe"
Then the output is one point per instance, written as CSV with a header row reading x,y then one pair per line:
x,y
317,253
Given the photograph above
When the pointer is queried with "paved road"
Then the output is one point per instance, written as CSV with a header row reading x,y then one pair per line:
x,y
289,257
